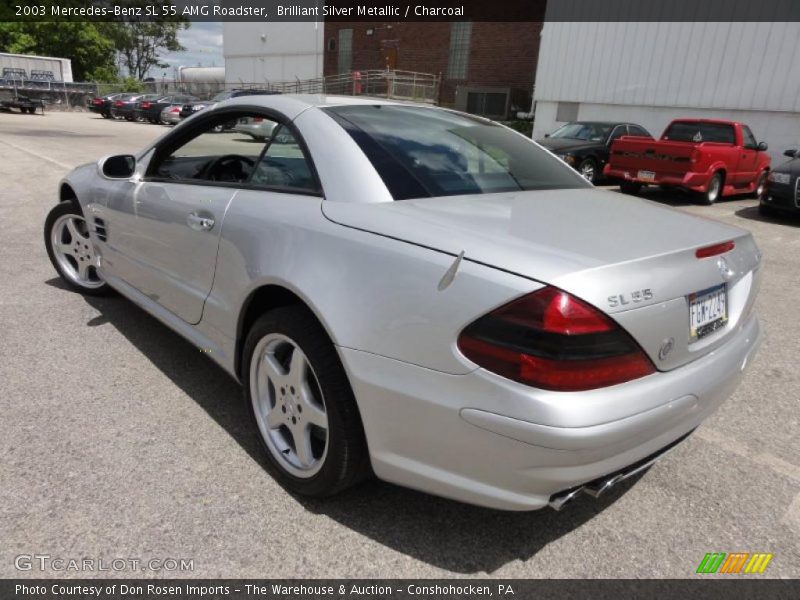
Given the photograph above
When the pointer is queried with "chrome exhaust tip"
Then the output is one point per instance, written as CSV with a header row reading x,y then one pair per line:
x,y
558,501
600,486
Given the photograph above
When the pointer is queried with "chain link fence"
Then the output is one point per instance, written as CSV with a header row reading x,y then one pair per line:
x,y
396,85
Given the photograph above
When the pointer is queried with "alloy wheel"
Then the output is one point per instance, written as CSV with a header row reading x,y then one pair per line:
x,y
289,406
74,251
587,170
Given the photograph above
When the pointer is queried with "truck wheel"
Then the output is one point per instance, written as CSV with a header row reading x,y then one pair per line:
x,y
588,169
630,187
714,190
761,185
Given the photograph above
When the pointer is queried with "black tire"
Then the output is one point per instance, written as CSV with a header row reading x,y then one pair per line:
x,y
586,166
713,189
68,207
346,462
106,115
630,187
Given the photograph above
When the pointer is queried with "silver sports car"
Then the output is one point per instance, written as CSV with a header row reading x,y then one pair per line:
x,y
420,294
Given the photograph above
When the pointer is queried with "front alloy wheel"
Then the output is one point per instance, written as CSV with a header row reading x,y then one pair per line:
x,y
66,237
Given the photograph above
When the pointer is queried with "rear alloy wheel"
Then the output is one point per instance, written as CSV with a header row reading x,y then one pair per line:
x,y
588,169
714,190
66,237
302,404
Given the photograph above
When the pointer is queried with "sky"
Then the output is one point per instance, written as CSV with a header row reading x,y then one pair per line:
x,y
203,42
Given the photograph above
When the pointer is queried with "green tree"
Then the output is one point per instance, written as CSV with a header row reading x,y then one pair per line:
x,y
139,43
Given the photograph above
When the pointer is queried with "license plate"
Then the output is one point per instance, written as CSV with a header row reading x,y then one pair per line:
x,y
646,175
708,311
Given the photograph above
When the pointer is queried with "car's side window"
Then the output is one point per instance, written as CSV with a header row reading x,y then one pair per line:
x,y
618,132
284,165
637,131
226,150
749,138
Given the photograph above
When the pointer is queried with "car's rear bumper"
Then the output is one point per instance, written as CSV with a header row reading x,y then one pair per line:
x,y
482,439
171,118
697,182
783,199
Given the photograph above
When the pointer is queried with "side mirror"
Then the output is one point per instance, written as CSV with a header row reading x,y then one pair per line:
x,y
762,146
792,153
122,166
547,135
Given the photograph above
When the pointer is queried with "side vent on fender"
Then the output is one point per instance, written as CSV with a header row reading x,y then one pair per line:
x,y
100,229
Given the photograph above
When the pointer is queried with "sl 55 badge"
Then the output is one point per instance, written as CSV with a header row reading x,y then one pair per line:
x,y
630,298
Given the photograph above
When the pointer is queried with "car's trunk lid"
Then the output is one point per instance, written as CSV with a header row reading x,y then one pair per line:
x,y
596,245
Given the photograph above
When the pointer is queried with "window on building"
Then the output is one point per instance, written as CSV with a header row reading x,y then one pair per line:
x,y
566,112
345,50
488,104
460,35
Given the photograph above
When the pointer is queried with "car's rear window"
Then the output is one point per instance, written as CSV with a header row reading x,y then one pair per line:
x,y
688,131
423,152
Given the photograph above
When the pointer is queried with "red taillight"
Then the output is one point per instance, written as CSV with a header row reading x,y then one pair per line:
x,y
553,310
146,105
97,101
552,340
175,109
714,250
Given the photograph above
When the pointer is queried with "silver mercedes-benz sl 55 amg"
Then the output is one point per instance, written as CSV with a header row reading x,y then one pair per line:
x,y
421,294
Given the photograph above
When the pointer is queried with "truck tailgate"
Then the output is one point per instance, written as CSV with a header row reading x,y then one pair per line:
x,y
662,157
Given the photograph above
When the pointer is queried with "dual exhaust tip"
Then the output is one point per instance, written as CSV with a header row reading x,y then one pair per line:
x,y
601,485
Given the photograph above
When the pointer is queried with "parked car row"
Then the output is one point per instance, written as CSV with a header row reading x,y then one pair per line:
x,y
157,108
709,158
139,107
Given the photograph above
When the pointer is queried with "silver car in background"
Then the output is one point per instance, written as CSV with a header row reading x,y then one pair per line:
x,y
257,128
420,294
171,115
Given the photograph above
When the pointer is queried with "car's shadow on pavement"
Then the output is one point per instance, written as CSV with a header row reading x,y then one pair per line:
x,y
446,534
668,197
752,213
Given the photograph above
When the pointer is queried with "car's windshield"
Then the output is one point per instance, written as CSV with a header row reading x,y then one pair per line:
x,y
590,132
423,152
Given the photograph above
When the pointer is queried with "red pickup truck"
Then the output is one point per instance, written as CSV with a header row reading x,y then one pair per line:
x,y
712,158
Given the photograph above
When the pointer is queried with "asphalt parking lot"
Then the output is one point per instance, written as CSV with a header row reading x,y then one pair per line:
x,y
120,440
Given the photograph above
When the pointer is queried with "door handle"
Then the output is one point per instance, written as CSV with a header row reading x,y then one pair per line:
x,y
199,223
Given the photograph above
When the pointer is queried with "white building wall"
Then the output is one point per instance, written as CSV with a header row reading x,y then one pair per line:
x,y
263,52
651,73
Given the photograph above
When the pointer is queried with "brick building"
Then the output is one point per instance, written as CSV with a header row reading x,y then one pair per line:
x,y
485,68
